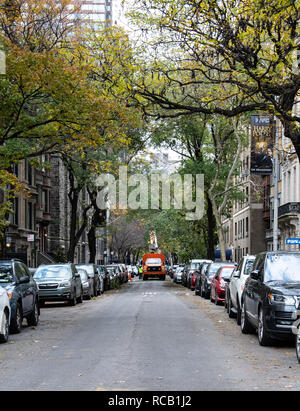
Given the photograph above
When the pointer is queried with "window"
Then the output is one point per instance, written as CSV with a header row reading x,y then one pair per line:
x,y
14,217
29,223
45,200
28,173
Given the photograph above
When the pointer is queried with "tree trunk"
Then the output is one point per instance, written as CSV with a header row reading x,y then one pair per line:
x,y
219,227
211,228
92,244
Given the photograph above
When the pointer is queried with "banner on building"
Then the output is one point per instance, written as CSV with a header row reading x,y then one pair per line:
x,y
262,144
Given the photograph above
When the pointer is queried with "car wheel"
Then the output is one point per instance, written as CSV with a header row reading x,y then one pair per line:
x,y
73,300
246,327
206,294
16,323
80,298
264,338
201,291
33,318
231,314
4,336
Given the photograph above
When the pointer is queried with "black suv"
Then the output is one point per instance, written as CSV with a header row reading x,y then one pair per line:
x,y
271,296
22,292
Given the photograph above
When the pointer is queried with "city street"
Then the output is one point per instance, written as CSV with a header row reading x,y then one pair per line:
x,y
151,335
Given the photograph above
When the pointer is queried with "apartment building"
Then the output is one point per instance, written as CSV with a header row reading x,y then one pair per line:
x,y
289,194
245,229
26,237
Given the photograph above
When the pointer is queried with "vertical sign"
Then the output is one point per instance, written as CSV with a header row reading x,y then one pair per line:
x,y
262,144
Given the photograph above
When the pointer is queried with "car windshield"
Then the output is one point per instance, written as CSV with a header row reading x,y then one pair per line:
x,y
194,266
226,272
248,266
54,271
153,261
179,270
282,267
6,274
88,268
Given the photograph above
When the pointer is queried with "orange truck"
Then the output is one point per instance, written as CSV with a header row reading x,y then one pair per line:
x,y
154,266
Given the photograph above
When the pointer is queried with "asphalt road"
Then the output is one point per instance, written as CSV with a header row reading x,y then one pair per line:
x,y
146,336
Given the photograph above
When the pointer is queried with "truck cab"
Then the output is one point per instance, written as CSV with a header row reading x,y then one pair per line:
x,y
154,266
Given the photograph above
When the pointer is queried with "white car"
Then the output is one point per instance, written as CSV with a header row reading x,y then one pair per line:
x,y
4,315
178,273
235,288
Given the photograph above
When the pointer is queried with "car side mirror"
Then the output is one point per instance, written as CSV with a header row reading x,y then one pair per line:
x,y
236,274
255,274
77,275
24,280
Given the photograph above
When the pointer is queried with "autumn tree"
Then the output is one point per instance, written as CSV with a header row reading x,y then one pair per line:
x,y
224,58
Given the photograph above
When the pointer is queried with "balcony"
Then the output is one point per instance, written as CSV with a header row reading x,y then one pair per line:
x,y
289,209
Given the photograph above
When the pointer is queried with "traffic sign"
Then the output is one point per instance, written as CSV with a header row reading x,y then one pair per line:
x,y
292,241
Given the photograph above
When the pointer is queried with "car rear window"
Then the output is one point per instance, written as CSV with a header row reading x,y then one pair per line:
x,y
6,274
226,272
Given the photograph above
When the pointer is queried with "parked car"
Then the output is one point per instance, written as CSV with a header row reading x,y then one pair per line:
x,y
125,276
87,283
4,315
271,296
217,289
195,267
172,270
113,276
208,275
235,287
178,273
93,272
118,272
22,292
59,282
135,271
105,275
185,274
200,272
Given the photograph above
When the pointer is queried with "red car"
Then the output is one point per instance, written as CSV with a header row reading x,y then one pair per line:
x,y
193,280
217,291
